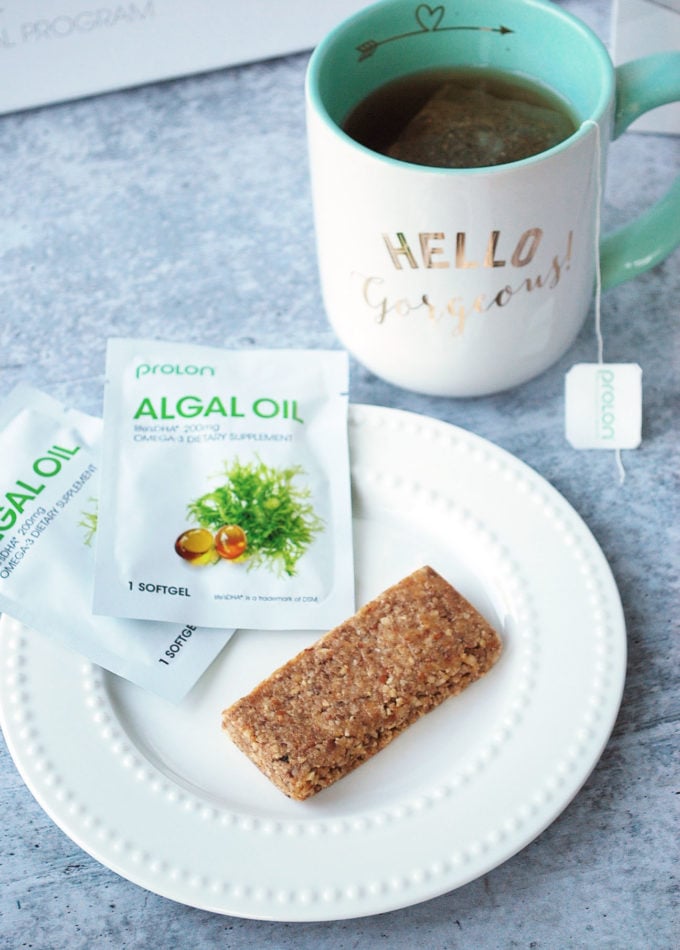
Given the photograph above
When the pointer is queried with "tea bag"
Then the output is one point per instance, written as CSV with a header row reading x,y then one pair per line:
x,y
460,127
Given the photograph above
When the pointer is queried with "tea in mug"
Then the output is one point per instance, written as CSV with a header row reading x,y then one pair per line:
x,y
460,118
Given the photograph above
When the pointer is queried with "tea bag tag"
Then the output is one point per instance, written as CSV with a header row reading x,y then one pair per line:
x,y
603,406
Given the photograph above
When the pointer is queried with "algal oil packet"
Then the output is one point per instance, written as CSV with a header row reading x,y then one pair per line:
x,y
225,487
49,503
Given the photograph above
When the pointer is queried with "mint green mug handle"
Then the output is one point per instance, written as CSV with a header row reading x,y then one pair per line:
x,y
642,85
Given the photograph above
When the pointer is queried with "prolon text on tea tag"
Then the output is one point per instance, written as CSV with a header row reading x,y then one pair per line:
x,y
603,406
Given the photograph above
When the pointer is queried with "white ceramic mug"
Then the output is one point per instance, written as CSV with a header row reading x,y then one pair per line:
x,y
460,282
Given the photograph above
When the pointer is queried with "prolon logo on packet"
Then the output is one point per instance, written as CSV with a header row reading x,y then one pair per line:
x,y
48,520
225,487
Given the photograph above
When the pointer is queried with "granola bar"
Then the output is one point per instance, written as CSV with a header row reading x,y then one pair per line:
x,y
343,699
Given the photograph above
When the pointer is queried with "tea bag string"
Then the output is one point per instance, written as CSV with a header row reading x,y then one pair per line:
x,y
598,271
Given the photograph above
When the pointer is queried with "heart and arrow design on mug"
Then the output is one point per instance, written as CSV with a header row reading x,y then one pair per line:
x,y
429,20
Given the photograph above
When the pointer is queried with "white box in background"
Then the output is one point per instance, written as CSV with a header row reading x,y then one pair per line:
x,y
53,50
641,27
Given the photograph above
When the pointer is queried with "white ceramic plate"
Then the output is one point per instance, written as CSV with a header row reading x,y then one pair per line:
x,y
161,796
